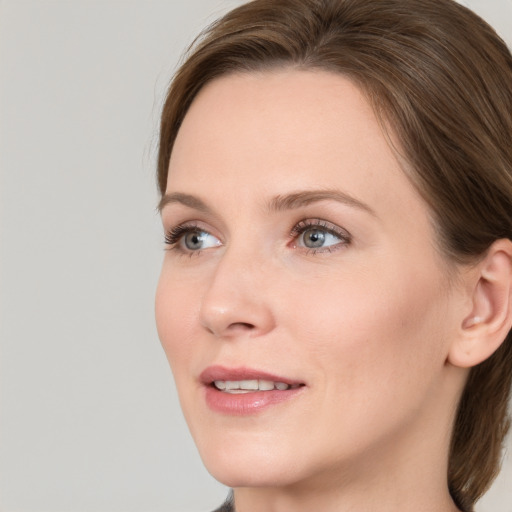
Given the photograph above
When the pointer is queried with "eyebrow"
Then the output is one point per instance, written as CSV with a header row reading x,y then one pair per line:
x,y
307,197
185,199
279,203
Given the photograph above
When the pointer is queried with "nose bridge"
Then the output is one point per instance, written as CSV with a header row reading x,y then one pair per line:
x,y
235,301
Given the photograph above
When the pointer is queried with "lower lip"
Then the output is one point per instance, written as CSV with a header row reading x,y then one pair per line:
x,y
241,404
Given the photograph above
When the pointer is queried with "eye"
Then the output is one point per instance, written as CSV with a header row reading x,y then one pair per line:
x,y
196,240
190,239
318,235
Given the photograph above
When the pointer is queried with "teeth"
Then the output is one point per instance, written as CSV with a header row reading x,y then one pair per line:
x,y
266,385
243,386
249,384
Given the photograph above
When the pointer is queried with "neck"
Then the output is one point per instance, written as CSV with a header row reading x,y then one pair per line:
x,y
390,497
410,474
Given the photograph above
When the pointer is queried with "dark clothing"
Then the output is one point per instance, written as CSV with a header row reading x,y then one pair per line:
x,y
228,505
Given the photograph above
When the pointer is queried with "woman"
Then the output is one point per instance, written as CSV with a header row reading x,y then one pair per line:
x,y
335,301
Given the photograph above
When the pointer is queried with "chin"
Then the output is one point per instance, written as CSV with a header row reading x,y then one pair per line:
x,y
250,475
249,466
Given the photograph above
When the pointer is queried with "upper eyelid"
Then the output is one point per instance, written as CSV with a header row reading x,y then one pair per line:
x,y
321,223
175,215
175,233
192,224
303,223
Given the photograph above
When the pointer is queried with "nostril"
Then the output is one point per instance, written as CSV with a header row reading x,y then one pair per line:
x,y
241,326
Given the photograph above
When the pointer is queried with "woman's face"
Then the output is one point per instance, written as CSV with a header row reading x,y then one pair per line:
x,y
300,261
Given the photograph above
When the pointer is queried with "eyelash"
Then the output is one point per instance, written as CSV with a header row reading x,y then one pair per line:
x,y
322,225
174,235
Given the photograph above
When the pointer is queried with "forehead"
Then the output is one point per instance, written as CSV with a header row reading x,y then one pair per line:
x,y
286,103
285,128
286,114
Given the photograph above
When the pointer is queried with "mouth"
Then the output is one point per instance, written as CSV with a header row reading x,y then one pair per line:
x,y
252,385
240,391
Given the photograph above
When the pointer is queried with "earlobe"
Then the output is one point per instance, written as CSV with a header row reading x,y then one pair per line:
x,y
486,326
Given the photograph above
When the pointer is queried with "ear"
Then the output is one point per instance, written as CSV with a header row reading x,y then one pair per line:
x,y
486,326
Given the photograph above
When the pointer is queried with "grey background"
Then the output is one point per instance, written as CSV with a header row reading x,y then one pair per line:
x,y
89,417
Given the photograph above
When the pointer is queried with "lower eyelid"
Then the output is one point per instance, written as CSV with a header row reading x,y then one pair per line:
x,y
327,248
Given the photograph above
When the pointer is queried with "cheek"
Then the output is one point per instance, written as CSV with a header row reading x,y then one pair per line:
x,y
377,345
370,328
176,315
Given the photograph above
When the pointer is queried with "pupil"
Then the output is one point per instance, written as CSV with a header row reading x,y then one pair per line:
x,y
314,238
193,240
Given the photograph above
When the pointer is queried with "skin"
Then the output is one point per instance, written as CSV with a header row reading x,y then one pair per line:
x,y
365,322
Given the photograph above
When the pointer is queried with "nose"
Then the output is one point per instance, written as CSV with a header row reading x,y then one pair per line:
x,y
236,301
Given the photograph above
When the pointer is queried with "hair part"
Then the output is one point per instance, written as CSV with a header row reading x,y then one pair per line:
x,y
440,80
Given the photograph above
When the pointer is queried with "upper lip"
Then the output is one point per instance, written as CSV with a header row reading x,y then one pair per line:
x,y
217,372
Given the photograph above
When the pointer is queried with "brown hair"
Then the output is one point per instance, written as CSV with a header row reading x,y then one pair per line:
x,y
441,78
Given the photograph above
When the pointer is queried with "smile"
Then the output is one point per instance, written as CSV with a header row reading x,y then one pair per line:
x,y
243,391
248,386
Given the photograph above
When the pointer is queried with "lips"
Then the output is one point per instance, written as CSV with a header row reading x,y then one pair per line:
x,y
248,386
221,373
240,391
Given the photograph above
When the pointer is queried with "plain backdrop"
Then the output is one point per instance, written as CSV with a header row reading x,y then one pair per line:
x,y
89,417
